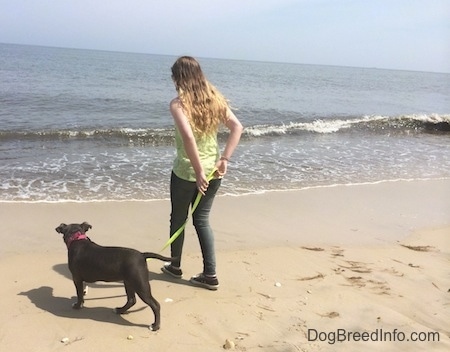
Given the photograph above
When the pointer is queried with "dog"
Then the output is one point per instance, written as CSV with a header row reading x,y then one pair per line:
x,y
90,262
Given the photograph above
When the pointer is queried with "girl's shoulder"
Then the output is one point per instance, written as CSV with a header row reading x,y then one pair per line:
x,y
176,103
175,100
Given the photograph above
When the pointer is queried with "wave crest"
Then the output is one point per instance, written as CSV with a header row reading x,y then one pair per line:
x,y
403,123
420,123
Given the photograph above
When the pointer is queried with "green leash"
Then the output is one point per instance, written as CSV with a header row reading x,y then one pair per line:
x,y
194,206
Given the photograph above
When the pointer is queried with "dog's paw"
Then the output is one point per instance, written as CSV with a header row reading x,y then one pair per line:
x,y
77,305
119,311
153,327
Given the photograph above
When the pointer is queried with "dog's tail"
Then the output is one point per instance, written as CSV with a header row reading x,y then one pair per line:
x,y
148,255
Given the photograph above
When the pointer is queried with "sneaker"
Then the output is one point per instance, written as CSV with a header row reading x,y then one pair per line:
x,y
201,280
172,271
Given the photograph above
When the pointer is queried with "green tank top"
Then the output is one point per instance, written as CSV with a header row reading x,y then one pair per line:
x,y
208,149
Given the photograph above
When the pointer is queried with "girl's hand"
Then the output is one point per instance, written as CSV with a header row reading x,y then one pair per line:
x,y
221,167
202,183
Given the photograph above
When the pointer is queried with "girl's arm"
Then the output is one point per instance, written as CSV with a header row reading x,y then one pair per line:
x,y
236,129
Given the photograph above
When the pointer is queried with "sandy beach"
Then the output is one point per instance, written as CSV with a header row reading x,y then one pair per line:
x,y
343,268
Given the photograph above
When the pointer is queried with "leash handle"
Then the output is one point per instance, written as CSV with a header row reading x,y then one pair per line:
x,y
194,206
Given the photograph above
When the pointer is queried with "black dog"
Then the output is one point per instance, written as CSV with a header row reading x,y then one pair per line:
x,y
89,262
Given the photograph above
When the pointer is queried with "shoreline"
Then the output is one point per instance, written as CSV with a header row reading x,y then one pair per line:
x,y
289,263
220,195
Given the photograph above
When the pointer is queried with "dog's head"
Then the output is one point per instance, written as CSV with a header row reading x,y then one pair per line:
x,y
71,229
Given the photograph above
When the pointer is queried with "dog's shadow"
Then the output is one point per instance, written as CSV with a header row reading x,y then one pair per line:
x,y
44,299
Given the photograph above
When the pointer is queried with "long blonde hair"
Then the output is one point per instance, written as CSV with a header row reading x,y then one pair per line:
x,y
202,103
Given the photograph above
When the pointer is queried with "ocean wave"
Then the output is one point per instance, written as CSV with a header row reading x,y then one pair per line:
x,y
431,123
121,135
374,123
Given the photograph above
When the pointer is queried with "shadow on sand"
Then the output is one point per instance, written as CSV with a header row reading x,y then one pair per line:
x,y
44,299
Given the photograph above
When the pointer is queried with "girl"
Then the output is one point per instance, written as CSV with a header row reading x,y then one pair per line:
x,y
198,110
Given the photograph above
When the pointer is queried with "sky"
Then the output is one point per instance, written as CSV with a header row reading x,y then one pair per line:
x,y
393,34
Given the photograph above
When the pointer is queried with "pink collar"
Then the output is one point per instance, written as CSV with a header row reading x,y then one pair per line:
x,y
76,237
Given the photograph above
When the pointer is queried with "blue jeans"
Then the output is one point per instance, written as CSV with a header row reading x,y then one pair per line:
x,y
182,196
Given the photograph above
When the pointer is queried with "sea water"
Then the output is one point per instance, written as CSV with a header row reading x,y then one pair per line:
x,y
88,125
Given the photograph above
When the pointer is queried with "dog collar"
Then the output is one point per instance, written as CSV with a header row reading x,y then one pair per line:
x,y
76,237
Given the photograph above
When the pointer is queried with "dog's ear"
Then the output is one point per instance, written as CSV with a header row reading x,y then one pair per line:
x,y
85,226
60,228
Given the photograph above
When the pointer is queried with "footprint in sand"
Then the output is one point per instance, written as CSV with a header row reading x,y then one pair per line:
x,y
337,252
378,287
393,271
330,315
357,267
